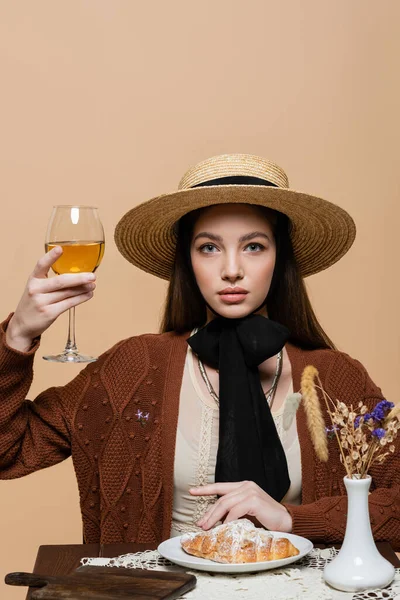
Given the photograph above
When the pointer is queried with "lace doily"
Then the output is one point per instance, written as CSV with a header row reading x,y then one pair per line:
x,y
302,579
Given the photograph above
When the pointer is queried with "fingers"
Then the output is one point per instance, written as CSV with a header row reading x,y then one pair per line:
x,y
251,501
56,309
222,507
239,510
54,297
44,263
216,488
235,493
61,282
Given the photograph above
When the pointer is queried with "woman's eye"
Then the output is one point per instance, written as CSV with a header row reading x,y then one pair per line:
x,y
258,246
207,246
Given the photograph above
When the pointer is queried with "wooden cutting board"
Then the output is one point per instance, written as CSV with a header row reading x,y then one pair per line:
x,y
106,583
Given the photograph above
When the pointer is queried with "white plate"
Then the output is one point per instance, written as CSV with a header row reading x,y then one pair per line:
x,y
173,551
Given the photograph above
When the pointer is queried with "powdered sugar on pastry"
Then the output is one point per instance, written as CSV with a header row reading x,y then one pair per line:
x,y
237,542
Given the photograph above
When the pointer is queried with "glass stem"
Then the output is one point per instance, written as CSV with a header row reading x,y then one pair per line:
x,y
71,344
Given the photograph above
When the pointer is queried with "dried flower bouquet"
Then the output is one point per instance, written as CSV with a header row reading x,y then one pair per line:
x,y
363,437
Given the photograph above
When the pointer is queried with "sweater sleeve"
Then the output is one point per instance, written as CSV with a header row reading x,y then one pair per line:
x,y
325,519
33,434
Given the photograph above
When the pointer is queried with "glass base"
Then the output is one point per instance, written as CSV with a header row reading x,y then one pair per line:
x,y
70,357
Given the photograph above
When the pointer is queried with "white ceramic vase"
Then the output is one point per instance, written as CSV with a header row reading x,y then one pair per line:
x,y
359,565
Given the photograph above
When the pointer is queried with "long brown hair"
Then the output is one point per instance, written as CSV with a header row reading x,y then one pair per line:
x,y
287,300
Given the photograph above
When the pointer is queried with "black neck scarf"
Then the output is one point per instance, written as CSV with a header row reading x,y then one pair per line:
x,y
249,445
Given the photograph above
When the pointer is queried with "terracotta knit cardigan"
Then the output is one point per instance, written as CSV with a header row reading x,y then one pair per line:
x,y
125,469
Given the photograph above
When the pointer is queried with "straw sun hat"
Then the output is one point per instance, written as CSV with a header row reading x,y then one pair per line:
x,y
321,232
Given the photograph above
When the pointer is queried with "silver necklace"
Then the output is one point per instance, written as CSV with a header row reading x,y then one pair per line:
x,y
270,394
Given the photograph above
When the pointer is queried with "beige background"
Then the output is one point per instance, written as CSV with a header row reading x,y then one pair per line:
x,y
108,102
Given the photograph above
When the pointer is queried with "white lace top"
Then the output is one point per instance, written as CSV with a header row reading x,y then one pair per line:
x,y
197,445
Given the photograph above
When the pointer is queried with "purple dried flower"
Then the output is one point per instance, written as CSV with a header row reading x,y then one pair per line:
x,y
357,421
381,409
379,432
331,430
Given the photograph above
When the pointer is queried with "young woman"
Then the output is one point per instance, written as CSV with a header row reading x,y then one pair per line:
x,y
183,429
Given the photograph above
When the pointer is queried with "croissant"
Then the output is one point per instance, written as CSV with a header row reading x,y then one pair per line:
x,y
237,542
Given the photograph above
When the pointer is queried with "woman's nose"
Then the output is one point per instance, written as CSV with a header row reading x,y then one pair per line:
x,y
232,268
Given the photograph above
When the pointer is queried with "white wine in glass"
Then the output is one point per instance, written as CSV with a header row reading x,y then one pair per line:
x,y
79,231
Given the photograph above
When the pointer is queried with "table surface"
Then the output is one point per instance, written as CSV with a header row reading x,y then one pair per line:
x,y
63,559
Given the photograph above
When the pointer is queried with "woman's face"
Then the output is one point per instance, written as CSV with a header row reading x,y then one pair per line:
x,y
233,247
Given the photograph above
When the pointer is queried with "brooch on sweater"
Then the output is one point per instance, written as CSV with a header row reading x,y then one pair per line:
x,y
142,417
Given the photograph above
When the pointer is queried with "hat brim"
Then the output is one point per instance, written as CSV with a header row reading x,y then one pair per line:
x,y
321,233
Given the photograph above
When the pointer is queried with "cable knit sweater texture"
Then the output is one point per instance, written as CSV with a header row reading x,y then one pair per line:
x,y
125,469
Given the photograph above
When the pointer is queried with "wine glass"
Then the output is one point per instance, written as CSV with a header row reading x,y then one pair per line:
x,y
78,230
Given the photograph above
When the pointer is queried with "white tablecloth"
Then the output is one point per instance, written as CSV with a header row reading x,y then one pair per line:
x,y
300,581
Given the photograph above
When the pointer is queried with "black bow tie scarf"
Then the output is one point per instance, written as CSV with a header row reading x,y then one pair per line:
x,y
249,445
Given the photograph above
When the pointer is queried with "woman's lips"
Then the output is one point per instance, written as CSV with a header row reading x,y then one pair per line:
x,y
232,298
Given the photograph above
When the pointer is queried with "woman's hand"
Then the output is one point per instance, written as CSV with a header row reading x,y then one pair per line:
x,y
240,499
44,299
